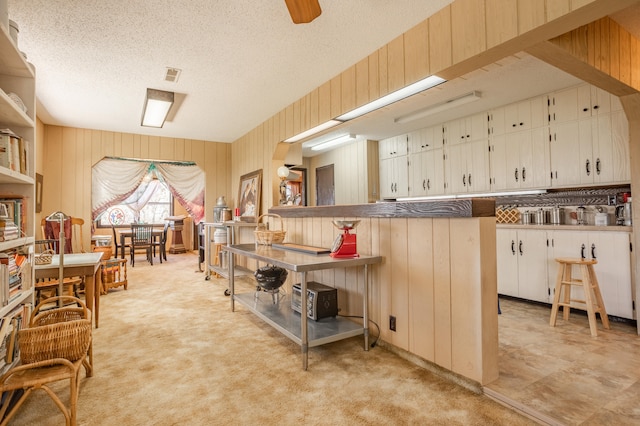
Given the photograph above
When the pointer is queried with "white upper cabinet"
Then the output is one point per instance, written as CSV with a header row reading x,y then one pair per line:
x,y
393,147
466,129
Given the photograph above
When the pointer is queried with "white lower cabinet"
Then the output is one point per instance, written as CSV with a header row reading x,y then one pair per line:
x,y
613,270
522,263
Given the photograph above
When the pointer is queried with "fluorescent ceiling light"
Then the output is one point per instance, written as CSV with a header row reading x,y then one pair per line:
x,y
324,126
333,142
156,107
443,106
484,195
405,92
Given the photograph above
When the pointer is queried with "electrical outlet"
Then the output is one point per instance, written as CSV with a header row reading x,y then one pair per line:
x,y
392,323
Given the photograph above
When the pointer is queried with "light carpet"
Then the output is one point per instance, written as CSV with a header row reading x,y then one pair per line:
x,y
169,351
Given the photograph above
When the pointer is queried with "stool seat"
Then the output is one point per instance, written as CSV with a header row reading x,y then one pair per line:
x,y
592,302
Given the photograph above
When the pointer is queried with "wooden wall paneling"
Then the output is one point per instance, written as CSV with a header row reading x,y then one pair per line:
x,y
576,4
442,291
154,147
362,82
383,71
314,105
557,8
531,14
69,189
167,149
305,104
324,103
145,152
374,75
501,26
333,277
420,277
288,122
137,146
395,64
296,118
335,104
626,54
489,304
416,53
635,62
614,49
473,291
348,89
440,40
468,24
85,172
126,149
373,173
399,283
106,148
52,170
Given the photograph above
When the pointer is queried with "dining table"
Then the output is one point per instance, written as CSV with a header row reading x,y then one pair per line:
x,y
127,233
78,265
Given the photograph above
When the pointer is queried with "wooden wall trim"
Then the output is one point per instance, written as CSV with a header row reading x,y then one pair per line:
x,y
484,207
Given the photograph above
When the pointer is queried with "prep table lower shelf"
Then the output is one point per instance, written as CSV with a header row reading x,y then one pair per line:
x,y
287,321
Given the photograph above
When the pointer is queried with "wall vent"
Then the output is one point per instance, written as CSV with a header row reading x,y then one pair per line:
x,y
172,75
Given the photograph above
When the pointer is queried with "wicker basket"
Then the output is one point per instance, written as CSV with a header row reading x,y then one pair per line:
x,y
43,258
69,340
266,236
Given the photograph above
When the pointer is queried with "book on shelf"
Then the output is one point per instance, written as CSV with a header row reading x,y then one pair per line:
x,y
13,151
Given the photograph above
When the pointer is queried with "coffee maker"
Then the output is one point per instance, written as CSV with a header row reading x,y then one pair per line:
x,y
623,209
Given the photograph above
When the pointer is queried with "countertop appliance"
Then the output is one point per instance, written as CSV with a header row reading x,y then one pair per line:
x,y
322,300
345,244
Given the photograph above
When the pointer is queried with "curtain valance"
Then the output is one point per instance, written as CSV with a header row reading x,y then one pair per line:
x,y
115,179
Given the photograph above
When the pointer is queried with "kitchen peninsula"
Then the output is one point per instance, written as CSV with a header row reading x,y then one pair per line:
x,y
437,279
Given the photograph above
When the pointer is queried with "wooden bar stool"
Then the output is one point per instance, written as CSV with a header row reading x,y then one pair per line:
x,y
592,296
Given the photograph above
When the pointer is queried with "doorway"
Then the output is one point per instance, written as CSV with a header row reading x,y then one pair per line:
x,y
325,186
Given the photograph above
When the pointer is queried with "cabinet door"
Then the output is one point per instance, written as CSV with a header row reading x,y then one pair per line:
x,y
585,137
496,122
507,261
566,244
538,174
456,168
455,131
477,159
620,147
386,178
498,163
602,149
518,116
415,141
434,162
401,176
565,154
418,174
613,270
513,155
532,265
563,106
477,127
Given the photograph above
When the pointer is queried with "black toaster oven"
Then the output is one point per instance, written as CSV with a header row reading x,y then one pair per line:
x,y
322,300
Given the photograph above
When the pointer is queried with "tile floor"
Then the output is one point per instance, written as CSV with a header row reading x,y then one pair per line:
x,y
562,375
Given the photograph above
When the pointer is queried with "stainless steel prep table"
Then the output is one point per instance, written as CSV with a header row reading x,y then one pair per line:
x,y
283,318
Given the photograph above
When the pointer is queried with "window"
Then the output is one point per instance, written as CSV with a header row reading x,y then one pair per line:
x,y
159,206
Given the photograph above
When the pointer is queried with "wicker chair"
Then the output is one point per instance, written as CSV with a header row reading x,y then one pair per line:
x,y
114,274
54,347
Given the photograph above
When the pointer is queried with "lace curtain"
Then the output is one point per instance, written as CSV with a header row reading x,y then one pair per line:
x,y
125,181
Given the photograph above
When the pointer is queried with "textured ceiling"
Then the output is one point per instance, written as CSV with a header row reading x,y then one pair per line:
x,y
242,60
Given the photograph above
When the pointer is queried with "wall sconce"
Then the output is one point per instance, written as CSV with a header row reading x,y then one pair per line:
x,y
157,104
283,174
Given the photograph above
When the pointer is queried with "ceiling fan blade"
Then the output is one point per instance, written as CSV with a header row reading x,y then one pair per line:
x,y
303,11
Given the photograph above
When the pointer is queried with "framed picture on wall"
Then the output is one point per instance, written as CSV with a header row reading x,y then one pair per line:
x,y
249,196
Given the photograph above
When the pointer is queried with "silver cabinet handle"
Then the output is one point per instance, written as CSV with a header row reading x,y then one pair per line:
x,y
516,174
598,166
513,247
587,167
582,252
520,247
593,251
524,174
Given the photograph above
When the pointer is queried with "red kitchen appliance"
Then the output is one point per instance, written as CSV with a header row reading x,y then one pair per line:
x,y
344,246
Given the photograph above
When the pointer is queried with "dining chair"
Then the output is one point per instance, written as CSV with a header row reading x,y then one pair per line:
x,y
116,241
161,244
141,238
